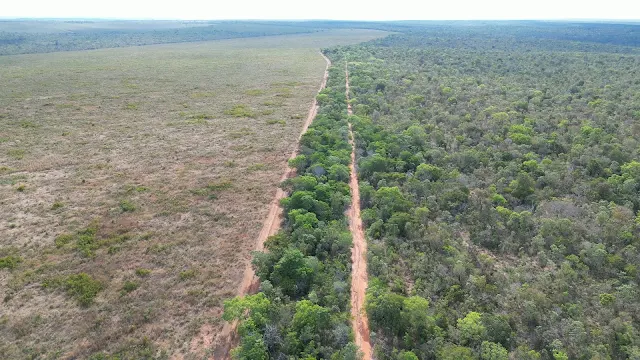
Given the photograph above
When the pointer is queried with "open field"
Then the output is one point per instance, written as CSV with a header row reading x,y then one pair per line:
x,y
28,36
150,169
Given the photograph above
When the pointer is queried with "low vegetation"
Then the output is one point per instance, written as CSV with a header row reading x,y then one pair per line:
x,y
10,262
81,287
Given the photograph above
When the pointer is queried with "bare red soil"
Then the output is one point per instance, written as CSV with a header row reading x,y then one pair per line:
x,y
359,277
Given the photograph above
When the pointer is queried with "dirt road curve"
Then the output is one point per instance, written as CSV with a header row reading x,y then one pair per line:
x,y
359,278
226,339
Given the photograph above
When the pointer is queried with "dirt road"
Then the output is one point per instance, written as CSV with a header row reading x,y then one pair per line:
x,y
359,278
226,339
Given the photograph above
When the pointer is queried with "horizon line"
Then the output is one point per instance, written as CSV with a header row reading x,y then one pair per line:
x,y
312,19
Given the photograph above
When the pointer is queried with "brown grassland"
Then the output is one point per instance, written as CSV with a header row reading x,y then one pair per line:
x,y
133,183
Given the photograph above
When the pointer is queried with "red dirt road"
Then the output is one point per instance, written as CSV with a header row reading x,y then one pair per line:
x,y
359,277
226,339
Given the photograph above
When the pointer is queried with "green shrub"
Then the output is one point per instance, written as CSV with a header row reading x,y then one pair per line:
x,y
257,167
129,286
82,287
142,272
212,189
201,117
127,206
113,249
86,240
187,274
63,239
57,205
254,92
240,110
27,124
224,185
10,262
17,154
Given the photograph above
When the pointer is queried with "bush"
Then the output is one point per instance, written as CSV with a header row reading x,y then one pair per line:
x,y
83,288
62,240
127,206
240,110
57,205
187,274
129,286
10,262
143,272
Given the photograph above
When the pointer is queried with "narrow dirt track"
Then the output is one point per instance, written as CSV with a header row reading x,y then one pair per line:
x,y
359,278
226,339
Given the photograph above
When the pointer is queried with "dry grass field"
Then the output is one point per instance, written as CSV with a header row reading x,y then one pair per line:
x,y
133,183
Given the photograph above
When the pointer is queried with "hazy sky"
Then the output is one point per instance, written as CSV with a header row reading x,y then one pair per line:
x,y
328,9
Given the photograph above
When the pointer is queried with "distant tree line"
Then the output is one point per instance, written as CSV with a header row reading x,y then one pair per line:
x,y
12,43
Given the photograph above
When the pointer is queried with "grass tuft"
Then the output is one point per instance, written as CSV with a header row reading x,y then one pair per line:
x,y
187,274
143,272
63,239
57,205
127,206
129,286
201,116
10,262
17,154
81,287
257,167
212,189
27,124
254,92
135,188
240,110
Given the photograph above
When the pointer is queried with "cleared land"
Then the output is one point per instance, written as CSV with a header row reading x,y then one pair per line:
x,y
359,277
150,169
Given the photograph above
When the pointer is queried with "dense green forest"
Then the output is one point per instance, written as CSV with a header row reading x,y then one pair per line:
x,y
500,183
501,188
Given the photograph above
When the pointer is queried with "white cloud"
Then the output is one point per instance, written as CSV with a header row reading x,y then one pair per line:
x,y
328,9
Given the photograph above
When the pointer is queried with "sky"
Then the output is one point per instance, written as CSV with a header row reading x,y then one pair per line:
x,y
324,9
